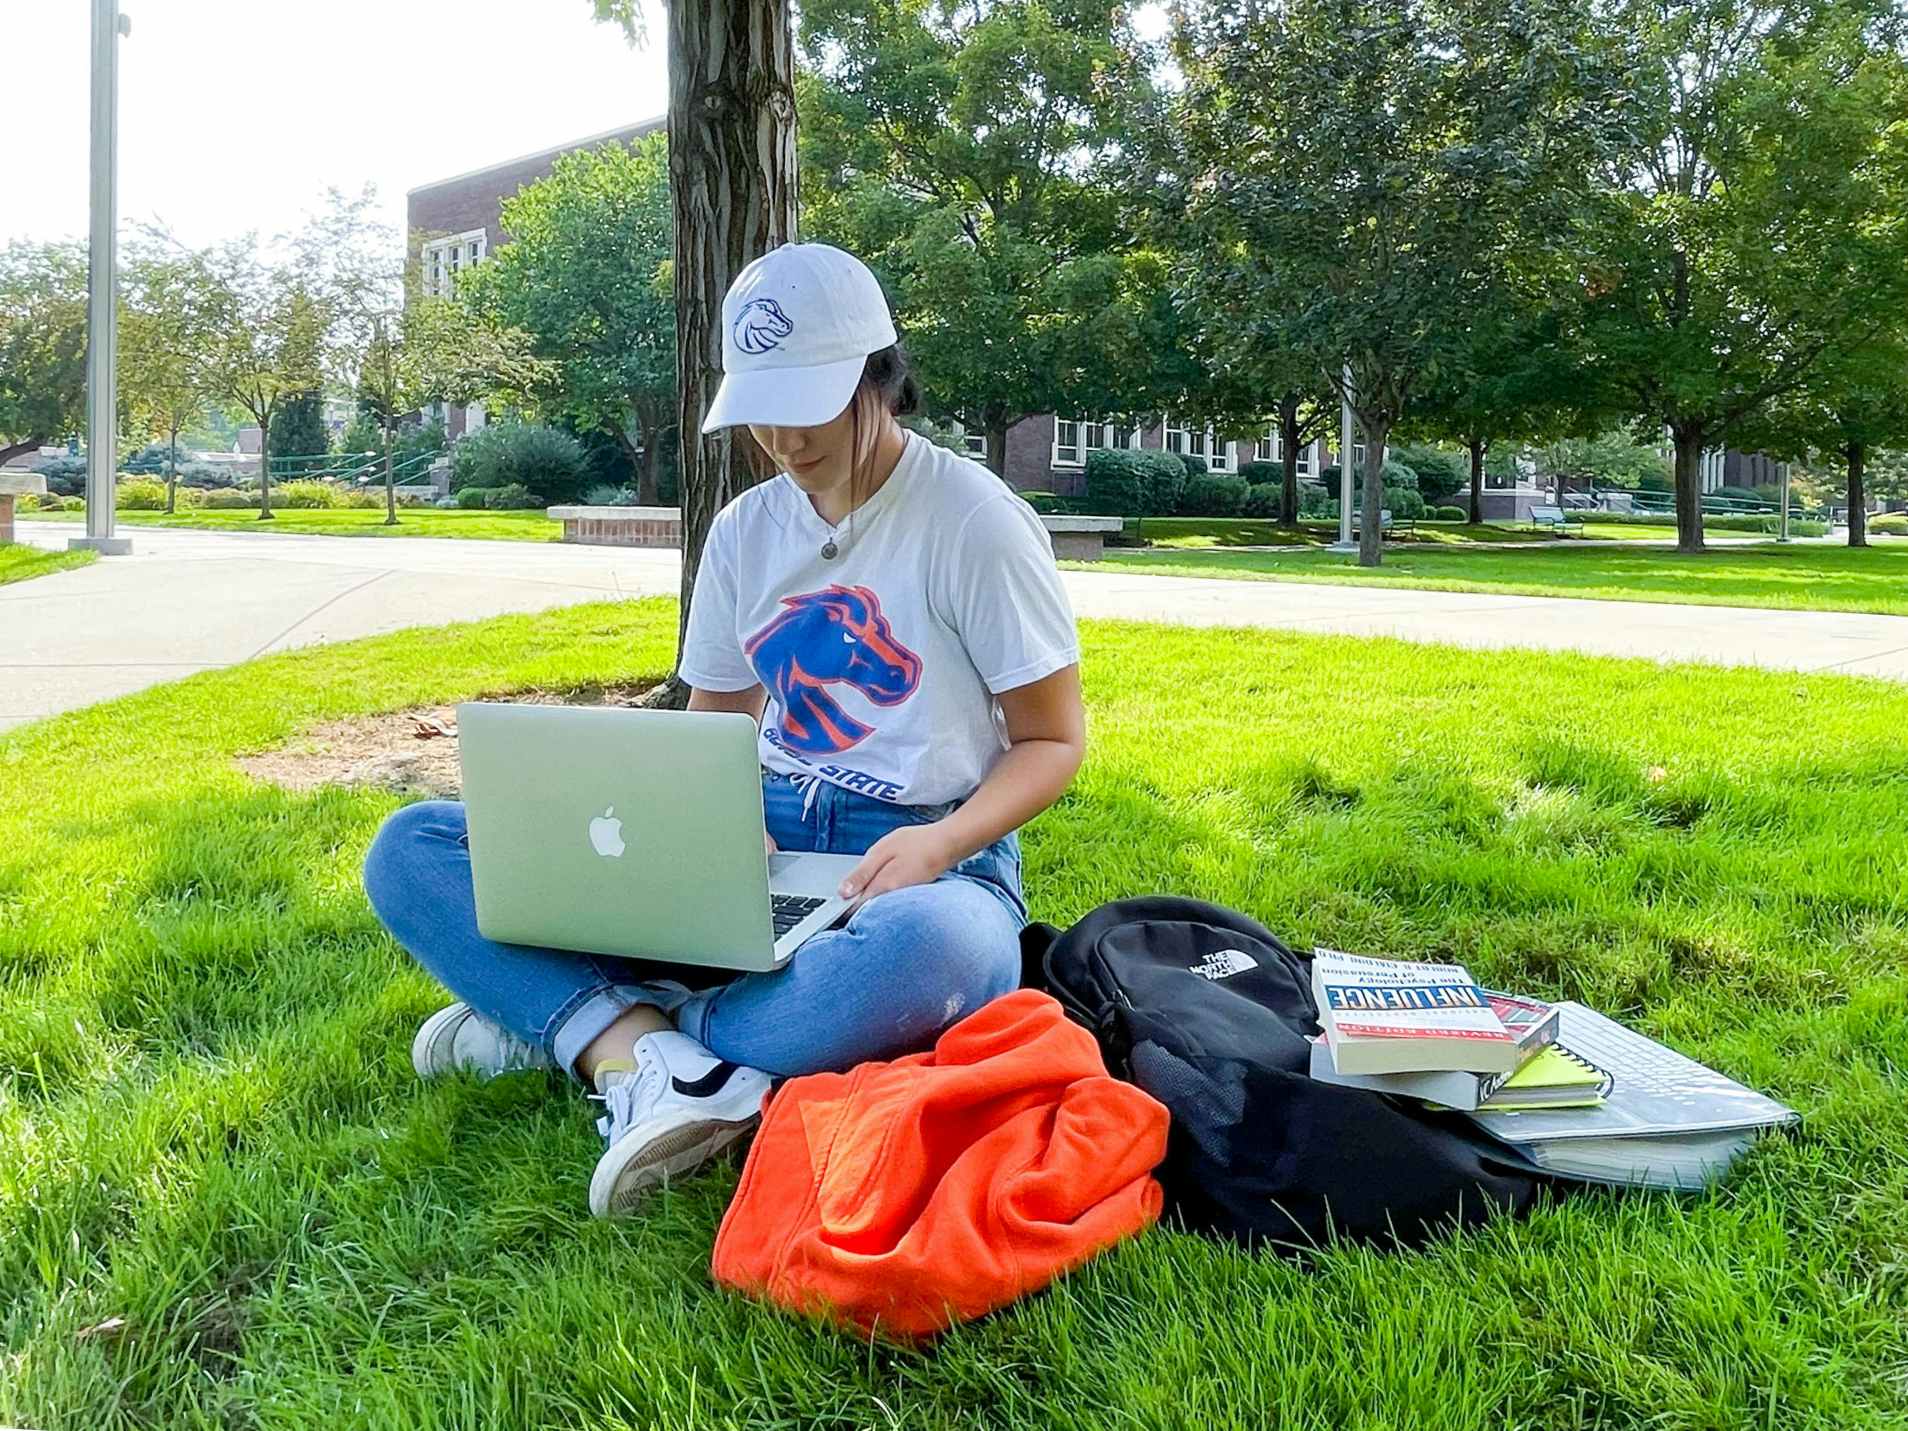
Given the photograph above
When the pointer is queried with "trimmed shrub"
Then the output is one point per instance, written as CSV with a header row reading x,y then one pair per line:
x,y
1213,495
1450,514
206,474
548,463
1396,475
1895,524
1765,523
1316,501
1737,494
45,502
140,495
512,497
229,499
474,499
1195,466
605,495
1116,482
1440,473
65,475
362,498
1405,503
1257,474
1165,478
306,496
1261,500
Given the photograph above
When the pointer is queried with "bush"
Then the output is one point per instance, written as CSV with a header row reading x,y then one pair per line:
x,y
229,499
206,474
1261,500
512,497
1316,501
1450,514
1765,523
473,499
1396,475
549,464
1213,495
1195,466
1116,483
1893,525
65,475
45,502
1440,473
361,498
1405,503
604,495
1165,477
140,495
306,495
1257,474
1737,494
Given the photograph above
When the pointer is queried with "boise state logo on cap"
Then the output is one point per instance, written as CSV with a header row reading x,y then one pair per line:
x,y
760,326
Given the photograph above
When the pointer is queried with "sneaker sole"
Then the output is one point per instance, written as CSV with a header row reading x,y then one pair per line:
x,y
619,1184
422,1044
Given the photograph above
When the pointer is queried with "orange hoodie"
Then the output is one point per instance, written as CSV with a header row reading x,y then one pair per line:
x,y
901,1197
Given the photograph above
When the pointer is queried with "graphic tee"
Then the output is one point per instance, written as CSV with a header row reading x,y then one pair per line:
x,y
883,664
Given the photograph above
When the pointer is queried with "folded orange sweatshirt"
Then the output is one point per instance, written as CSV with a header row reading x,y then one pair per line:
x,y
901,1197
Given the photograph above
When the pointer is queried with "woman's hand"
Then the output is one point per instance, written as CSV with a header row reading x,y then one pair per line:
x,y
914,854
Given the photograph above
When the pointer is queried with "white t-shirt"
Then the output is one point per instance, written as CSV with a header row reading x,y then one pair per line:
x,y
882,665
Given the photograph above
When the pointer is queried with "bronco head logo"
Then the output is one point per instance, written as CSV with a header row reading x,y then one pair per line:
x,y
761,325
825,637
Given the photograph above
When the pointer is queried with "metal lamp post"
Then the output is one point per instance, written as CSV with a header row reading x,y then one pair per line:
x,y
1783,524
102,288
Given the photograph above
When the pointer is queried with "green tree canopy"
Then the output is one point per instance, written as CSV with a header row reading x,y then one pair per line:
x,y
586,276
962,150
42,345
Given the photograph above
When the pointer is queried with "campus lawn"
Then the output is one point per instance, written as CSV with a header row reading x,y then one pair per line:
x,y
1802,577
528,526
224,1199
18,563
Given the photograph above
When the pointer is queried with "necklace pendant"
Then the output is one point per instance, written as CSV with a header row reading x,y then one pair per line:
x,y
829,550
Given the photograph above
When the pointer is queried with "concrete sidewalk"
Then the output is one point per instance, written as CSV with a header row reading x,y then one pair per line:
x,y
188,601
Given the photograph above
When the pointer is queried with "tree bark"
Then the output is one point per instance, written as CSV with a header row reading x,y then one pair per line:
x,y
1689,487
647,487
11,450
1857,455
1477,446
1288,448
732,172
997,448
1370,536
172,470
265,469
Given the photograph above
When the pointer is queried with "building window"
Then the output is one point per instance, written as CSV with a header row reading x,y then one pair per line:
x,y
1711,470
1270,448
1200,442
1066,443
444,258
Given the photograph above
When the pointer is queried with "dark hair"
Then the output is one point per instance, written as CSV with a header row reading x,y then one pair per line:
x,y
890,374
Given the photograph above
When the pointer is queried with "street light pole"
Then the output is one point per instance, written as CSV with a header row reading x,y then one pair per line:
x,y
1783,524
102,288
1345,421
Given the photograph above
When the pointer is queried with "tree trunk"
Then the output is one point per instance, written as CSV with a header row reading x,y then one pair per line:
x,y
1477,445
172,471
1370,535
1857,454
997,448
11,450
648,490
732,172
1689,493
390,478
1288,448
265,469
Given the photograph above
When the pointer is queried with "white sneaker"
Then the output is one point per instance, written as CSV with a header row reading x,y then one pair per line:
x,y
456,1037
673,1108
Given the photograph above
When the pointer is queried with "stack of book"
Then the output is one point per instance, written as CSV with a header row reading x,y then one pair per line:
x,y
1563,1088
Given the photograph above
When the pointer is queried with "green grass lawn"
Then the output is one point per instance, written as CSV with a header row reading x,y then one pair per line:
x,y
18,563
209,1127
1803,577
348,522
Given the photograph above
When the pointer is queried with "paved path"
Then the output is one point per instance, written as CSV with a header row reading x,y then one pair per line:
x,y
189,600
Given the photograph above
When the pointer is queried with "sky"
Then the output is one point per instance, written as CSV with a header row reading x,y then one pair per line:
x,y
235,116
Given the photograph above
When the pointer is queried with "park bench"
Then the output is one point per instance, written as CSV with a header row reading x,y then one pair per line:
x,y
12,485
1073,538
1386,523
1554,519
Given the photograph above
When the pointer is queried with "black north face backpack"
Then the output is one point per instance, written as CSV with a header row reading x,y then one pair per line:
x,y
1207,1011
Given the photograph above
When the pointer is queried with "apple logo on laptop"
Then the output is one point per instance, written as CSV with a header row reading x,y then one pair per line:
x,y
606,834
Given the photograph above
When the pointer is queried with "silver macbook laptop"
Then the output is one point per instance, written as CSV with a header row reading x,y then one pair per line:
x,y
633,832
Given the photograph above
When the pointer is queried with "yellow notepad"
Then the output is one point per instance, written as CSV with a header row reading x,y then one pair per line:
x,y
1566,1080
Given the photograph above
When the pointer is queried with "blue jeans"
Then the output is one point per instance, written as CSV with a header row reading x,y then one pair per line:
x,y
905,966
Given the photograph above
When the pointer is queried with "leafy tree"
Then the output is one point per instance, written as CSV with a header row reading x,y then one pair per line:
x,y
1751,226
1353,172
587,277
962,150
42,345
299,430
1856,404
258,328
158,380
732,172
1612,458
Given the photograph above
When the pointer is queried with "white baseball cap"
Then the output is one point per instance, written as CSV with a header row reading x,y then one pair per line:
x,y
797,328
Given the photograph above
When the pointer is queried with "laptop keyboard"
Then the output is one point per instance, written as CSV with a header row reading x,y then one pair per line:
x,y
789,910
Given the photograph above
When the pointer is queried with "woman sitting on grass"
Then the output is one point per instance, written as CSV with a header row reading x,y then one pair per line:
x,y
938,572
